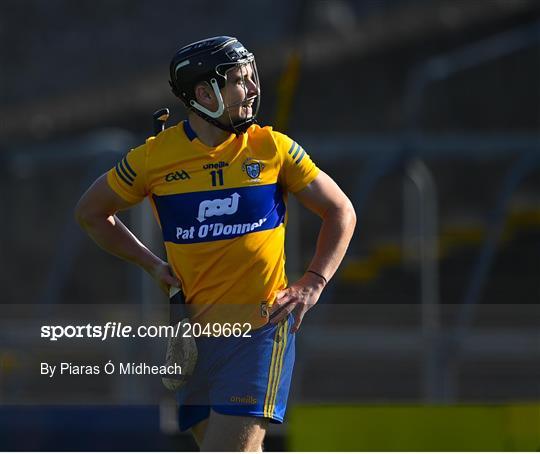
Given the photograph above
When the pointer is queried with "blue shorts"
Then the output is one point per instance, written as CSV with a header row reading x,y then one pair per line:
x,y
241,376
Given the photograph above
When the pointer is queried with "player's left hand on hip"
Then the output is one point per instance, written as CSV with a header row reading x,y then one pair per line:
x,y
298,299
162,274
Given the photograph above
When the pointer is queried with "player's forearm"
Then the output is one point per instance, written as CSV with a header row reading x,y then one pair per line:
x,y
334,237
113,236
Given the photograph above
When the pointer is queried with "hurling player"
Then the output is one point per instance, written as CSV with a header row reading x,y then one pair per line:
x,y
218,184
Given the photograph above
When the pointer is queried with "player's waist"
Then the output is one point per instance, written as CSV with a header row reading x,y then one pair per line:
x,y
221,316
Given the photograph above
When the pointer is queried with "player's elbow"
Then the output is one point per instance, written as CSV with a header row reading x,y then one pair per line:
x,y
342,213
349,214
342,208
85,215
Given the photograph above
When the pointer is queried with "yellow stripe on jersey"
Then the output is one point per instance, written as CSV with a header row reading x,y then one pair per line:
x,y
276,366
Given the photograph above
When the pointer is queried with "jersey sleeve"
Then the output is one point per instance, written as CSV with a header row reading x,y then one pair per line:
x,y
297,168
128,177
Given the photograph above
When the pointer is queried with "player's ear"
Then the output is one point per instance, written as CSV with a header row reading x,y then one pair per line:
x,y
204,94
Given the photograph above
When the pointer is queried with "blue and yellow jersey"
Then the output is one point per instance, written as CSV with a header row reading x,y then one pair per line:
x,y
222,212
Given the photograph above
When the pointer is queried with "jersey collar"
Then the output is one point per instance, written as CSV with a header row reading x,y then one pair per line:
x,y
191,135
194,139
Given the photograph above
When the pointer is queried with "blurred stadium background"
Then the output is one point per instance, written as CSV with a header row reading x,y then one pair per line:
x,y
427,113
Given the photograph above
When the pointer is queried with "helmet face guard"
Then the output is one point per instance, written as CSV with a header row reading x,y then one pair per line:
x,y
213,61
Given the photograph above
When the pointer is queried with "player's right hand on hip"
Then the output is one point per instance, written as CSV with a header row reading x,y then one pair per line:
x,y
164,277
297,299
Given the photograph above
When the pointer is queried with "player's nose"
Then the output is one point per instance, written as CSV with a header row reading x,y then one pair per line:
x,y
252,87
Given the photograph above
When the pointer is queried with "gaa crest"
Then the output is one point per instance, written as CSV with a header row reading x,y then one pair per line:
x,y
252,168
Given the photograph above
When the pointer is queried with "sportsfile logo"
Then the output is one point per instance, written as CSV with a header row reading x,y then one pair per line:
x,y
218,207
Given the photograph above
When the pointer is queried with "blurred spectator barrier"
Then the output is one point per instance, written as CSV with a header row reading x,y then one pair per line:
x,y
439,386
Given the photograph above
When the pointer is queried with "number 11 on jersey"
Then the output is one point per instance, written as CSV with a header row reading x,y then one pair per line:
x,y
215,175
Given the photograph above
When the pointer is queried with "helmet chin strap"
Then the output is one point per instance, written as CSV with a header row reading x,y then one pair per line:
x,y
221,105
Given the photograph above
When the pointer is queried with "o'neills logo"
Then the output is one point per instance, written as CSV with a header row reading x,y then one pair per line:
x,y
217,165
250,400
